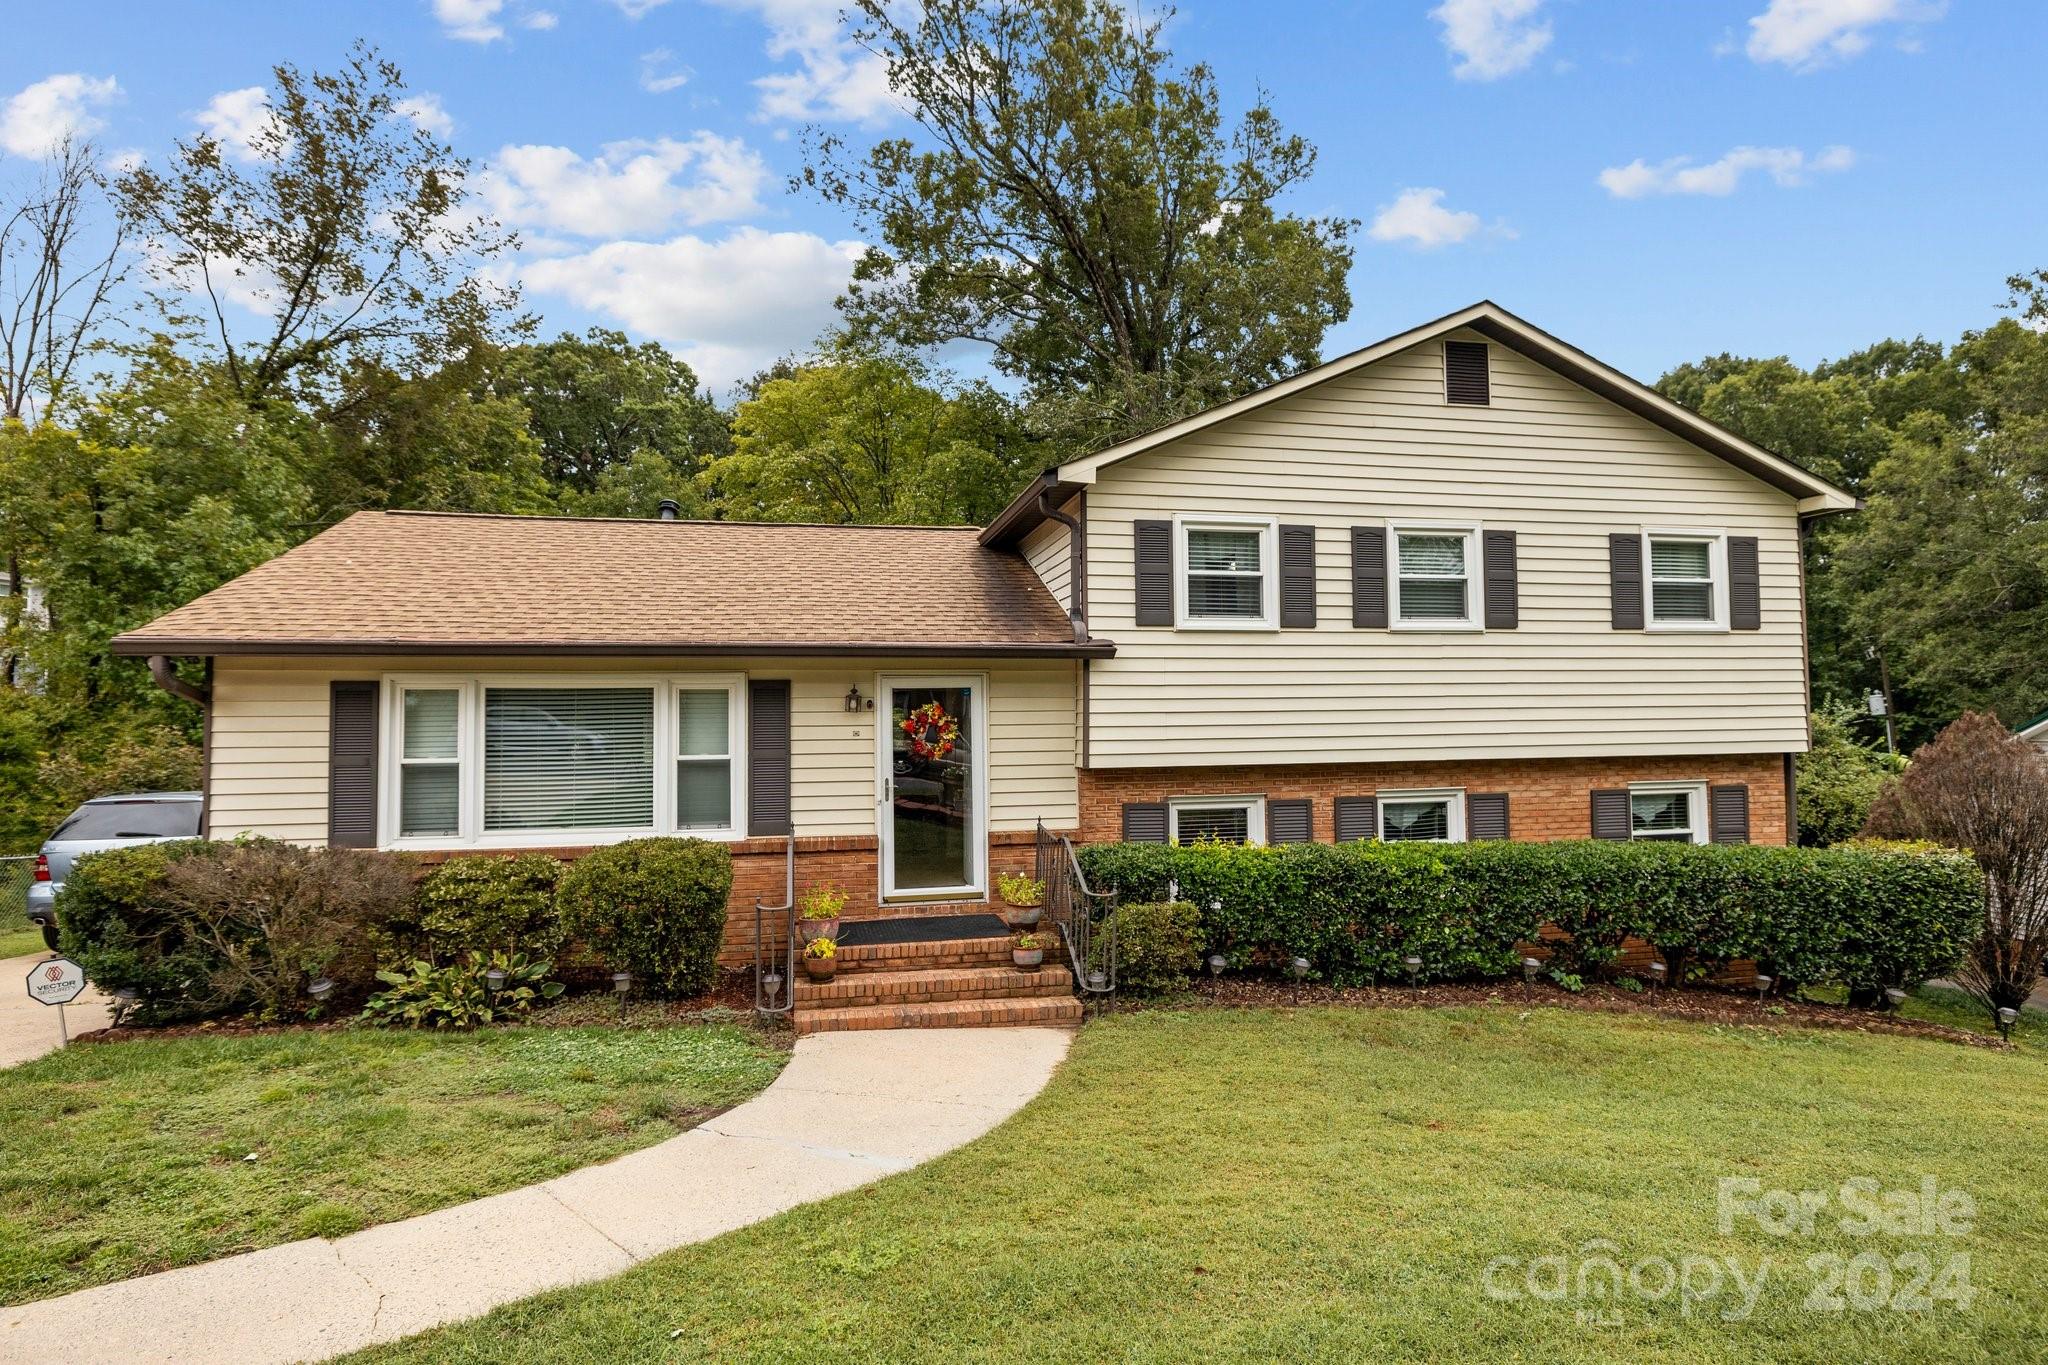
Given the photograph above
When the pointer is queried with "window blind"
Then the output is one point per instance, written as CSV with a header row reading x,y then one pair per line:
x,y
568,758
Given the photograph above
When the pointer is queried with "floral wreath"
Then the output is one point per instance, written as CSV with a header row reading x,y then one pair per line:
x,y
932,732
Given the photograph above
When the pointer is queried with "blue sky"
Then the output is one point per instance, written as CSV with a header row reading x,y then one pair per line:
x,y
1651,181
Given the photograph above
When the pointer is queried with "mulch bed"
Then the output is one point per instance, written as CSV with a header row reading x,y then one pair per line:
x,y
1696,1004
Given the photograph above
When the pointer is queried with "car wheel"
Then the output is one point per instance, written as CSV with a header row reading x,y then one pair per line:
x,y
50,936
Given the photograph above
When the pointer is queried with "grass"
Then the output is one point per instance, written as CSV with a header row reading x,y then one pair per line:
x,y
1947,1005
22,941
122,1158
1331,1184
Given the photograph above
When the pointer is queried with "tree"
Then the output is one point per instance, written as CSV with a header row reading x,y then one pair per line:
x,y
340,235
867,438
595,402
1078,206
1980,787
56,282
432,443
1839,780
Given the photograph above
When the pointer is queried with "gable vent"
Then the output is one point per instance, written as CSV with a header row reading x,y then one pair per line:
x,y
1465,372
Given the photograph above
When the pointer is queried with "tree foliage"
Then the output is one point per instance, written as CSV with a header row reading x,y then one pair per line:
x,y
1077,204
1839,779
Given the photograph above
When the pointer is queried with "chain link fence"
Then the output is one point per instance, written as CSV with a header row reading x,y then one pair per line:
x,y
17,874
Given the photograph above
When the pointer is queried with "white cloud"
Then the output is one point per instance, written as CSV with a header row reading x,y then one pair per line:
x,y
1419,216
834,79
472,21
34,120
426,110
540,20
628,187
659,72
1808,34
1492,38
638,9
233,118
1788,166
728,307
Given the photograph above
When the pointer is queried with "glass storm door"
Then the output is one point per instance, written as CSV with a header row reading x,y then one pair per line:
x,y
931,753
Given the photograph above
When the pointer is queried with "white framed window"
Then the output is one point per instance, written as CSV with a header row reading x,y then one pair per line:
x,y
1436,816
1226,819
1670,812
533,760
1228,579
1434,571
1686,574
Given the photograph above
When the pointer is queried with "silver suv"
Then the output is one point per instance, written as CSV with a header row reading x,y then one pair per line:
x,y
101,823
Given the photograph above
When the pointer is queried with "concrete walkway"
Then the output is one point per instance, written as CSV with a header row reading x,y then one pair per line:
x,y
27,1029
848,1109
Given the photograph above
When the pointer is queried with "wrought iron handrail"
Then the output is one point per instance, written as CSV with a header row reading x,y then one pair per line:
x,y
766,990
1085,916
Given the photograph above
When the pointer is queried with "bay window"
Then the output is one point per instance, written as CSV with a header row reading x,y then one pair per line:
x,y
524,760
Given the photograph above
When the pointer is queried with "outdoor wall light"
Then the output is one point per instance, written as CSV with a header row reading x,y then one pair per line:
x,y
320,989
1217,963
1763,986
1414,966
2007,1017
853,698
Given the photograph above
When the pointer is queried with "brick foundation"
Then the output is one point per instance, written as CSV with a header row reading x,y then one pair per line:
x,y
1548,798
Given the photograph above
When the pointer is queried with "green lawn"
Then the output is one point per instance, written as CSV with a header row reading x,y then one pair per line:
x,y
122,1158
17,942
1332,1185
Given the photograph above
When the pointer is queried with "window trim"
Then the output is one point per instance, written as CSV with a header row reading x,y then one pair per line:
x,y
1253,806
471,688
1269,571
1475,575
1696,794
1454,802
1717,568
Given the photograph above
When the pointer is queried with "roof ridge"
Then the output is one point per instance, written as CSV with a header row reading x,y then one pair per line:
x,y
658,521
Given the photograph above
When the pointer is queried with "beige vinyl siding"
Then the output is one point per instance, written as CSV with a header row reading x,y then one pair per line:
x,y
269,773
1046,551
1546,459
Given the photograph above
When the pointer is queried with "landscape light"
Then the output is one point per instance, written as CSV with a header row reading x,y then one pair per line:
x,y
1763,986
621,983
1097,981
494,980
320,989
1298,968
1217,963
1530,966
1414,966
1894,997
2007,1017
771,984
125,997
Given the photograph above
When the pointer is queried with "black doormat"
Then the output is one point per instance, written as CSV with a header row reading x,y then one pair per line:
x,y
865,933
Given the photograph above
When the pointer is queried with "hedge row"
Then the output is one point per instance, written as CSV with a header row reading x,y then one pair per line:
x,y
1865,916
197,929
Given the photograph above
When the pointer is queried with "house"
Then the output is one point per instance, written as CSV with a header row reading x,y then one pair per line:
x,y
1465,583
2034,731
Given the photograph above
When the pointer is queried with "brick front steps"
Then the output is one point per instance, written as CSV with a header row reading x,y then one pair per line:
x,y
933,983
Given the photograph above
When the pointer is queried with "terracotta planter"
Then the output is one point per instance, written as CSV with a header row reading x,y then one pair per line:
x,y
1030,959
1022,916
820,968
819,928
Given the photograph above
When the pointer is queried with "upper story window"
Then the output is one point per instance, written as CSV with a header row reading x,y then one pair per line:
x,y
514,761
1227,578
1433,569
1688,579
1670,812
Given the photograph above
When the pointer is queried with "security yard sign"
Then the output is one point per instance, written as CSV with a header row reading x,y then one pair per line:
x,y
56,982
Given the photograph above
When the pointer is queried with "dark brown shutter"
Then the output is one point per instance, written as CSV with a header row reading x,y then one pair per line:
x,y
1153,561
1465,372
352,765
1728,814
1291,821
1503,593
1358,817
1625,579
1144,822
1369,577
1297,577
1610,815
768,758
1486,815
1745,585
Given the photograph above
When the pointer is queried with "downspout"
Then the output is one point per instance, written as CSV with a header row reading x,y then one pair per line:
x,y
1077,565
166,675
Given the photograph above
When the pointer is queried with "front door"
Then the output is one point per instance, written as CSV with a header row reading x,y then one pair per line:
x,y
933,828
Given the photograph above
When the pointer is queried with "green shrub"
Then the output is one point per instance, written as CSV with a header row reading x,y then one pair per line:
x,y
1839,780
199,929
1864,916
489,904
653,907
459,995
1158,946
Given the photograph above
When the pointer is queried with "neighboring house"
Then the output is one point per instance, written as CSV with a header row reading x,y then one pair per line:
x,y
1465,583
2035,731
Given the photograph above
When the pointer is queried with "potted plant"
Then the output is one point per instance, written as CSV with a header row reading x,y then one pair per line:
x,y
819,908
821,958
1023,899
1028,951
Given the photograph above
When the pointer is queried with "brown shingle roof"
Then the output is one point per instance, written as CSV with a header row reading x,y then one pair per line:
x,y
417,582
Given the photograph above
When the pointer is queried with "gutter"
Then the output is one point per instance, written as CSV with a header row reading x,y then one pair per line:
x,y
641,649
166,675
1077,563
